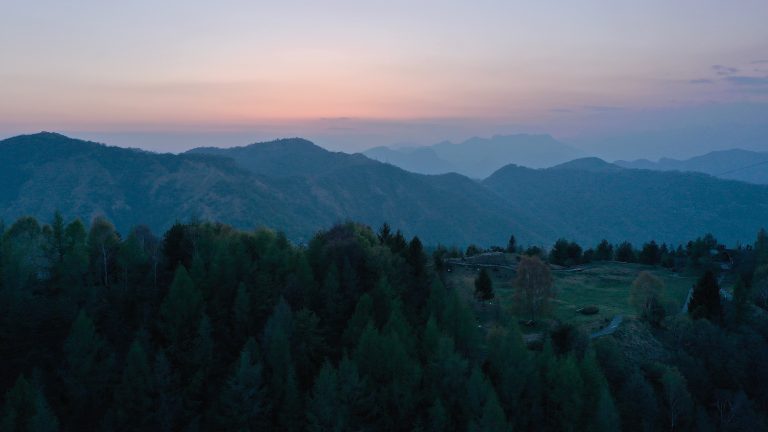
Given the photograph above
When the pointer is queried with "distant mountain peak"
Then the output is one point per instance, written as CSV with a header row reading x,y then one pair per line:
x,y
593,164
42,136
479,157
734,164
277,144
50,143
286,157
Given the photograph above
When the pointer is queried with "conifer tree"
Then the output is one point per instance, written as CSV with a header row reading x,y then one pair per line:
x,y
133,397
705,301
438,417
87,365
362,315
606,418
27,410
484,286
323,404
242,403
180,312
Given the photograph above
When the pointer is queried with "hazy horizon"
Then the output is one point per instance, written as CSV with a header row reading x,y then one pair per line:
x,y
351,76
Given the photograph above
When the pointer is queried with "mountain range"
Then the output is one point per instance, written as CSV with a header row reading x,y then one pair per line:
x,y
299,188
478,157
743,165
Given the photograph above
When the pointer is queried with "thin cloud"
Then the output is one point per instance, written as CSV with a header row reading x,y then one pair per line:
x,y
741,80
724,70
701,81
602,108
760,61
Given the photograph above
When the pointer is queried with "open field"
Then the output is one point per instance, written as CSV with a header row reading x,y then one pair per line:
x,y
604,284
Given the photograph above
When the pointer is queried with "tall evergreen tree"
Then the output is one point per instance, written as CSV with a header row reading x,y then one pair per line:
x,y
180,313
242,403
323,405
484,286
133,397
26,409
87,364
705,301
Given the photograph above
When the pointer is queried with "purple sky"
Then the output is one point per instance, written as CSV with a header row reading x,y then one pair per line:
x,y
351,75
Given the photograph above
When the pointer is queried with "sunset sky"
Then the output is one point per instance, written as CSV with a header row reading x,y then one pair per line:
x,y
354,74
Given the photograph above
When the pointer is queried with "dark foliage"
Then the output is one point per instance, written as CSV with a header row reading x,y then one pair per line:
x,y
212,328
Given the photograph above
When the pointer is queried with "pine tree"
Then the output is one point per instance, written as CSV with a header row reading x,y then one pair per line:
x,y
438,417
353,398
180,313
291,406
493,418
241,311
638,407
26,409
133,397
761,247
705,302
363,313
484,286
86,367
604,251
166,398
606,419
242,403
323,404
511,244
508,364
563,396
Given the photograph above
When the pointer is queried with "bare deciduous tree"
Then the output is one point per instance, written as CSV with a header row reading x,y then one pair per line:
x,y
534,287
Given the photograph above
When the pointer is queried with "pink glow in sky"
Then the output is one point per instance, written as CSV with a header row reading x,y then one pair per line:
x,y
463,67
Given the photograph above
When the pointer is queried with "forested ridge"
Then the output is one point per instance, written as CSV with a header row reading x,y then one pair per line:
x,y
300,188
207,327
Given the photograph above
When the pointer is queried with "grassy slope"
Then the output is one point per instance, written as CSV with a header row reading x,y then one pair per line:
x,y
606,285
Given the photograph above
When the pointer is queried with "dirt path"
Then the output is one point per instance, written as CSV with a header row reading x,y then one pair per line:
x,y
612,327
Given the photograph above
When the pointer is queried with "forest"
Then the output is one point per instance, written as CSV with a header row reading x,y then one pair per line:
x,y
211,328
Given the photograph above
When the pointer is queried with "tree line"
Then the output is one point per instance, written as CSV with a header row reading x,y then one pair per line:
x,y
211,328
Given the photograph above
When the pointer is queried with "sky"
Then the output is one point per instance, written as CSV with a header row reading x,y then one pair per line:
x,y
602,74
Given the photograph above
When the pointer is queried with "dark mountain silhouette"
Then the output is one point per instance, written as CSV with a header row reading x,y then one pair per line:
x,y
479,157
300,188
286,158
591,164
743,165
584,203
444,208
44,172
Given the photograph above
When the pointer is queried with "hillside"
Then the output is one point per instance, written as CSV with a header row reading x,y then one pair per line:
x,y
587,204
479,157
444,208
299,188
286,158
743,165
45,172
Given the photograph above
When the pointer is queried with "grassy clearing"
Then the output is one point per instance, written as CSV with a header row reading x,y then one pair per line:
x,y
605,285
